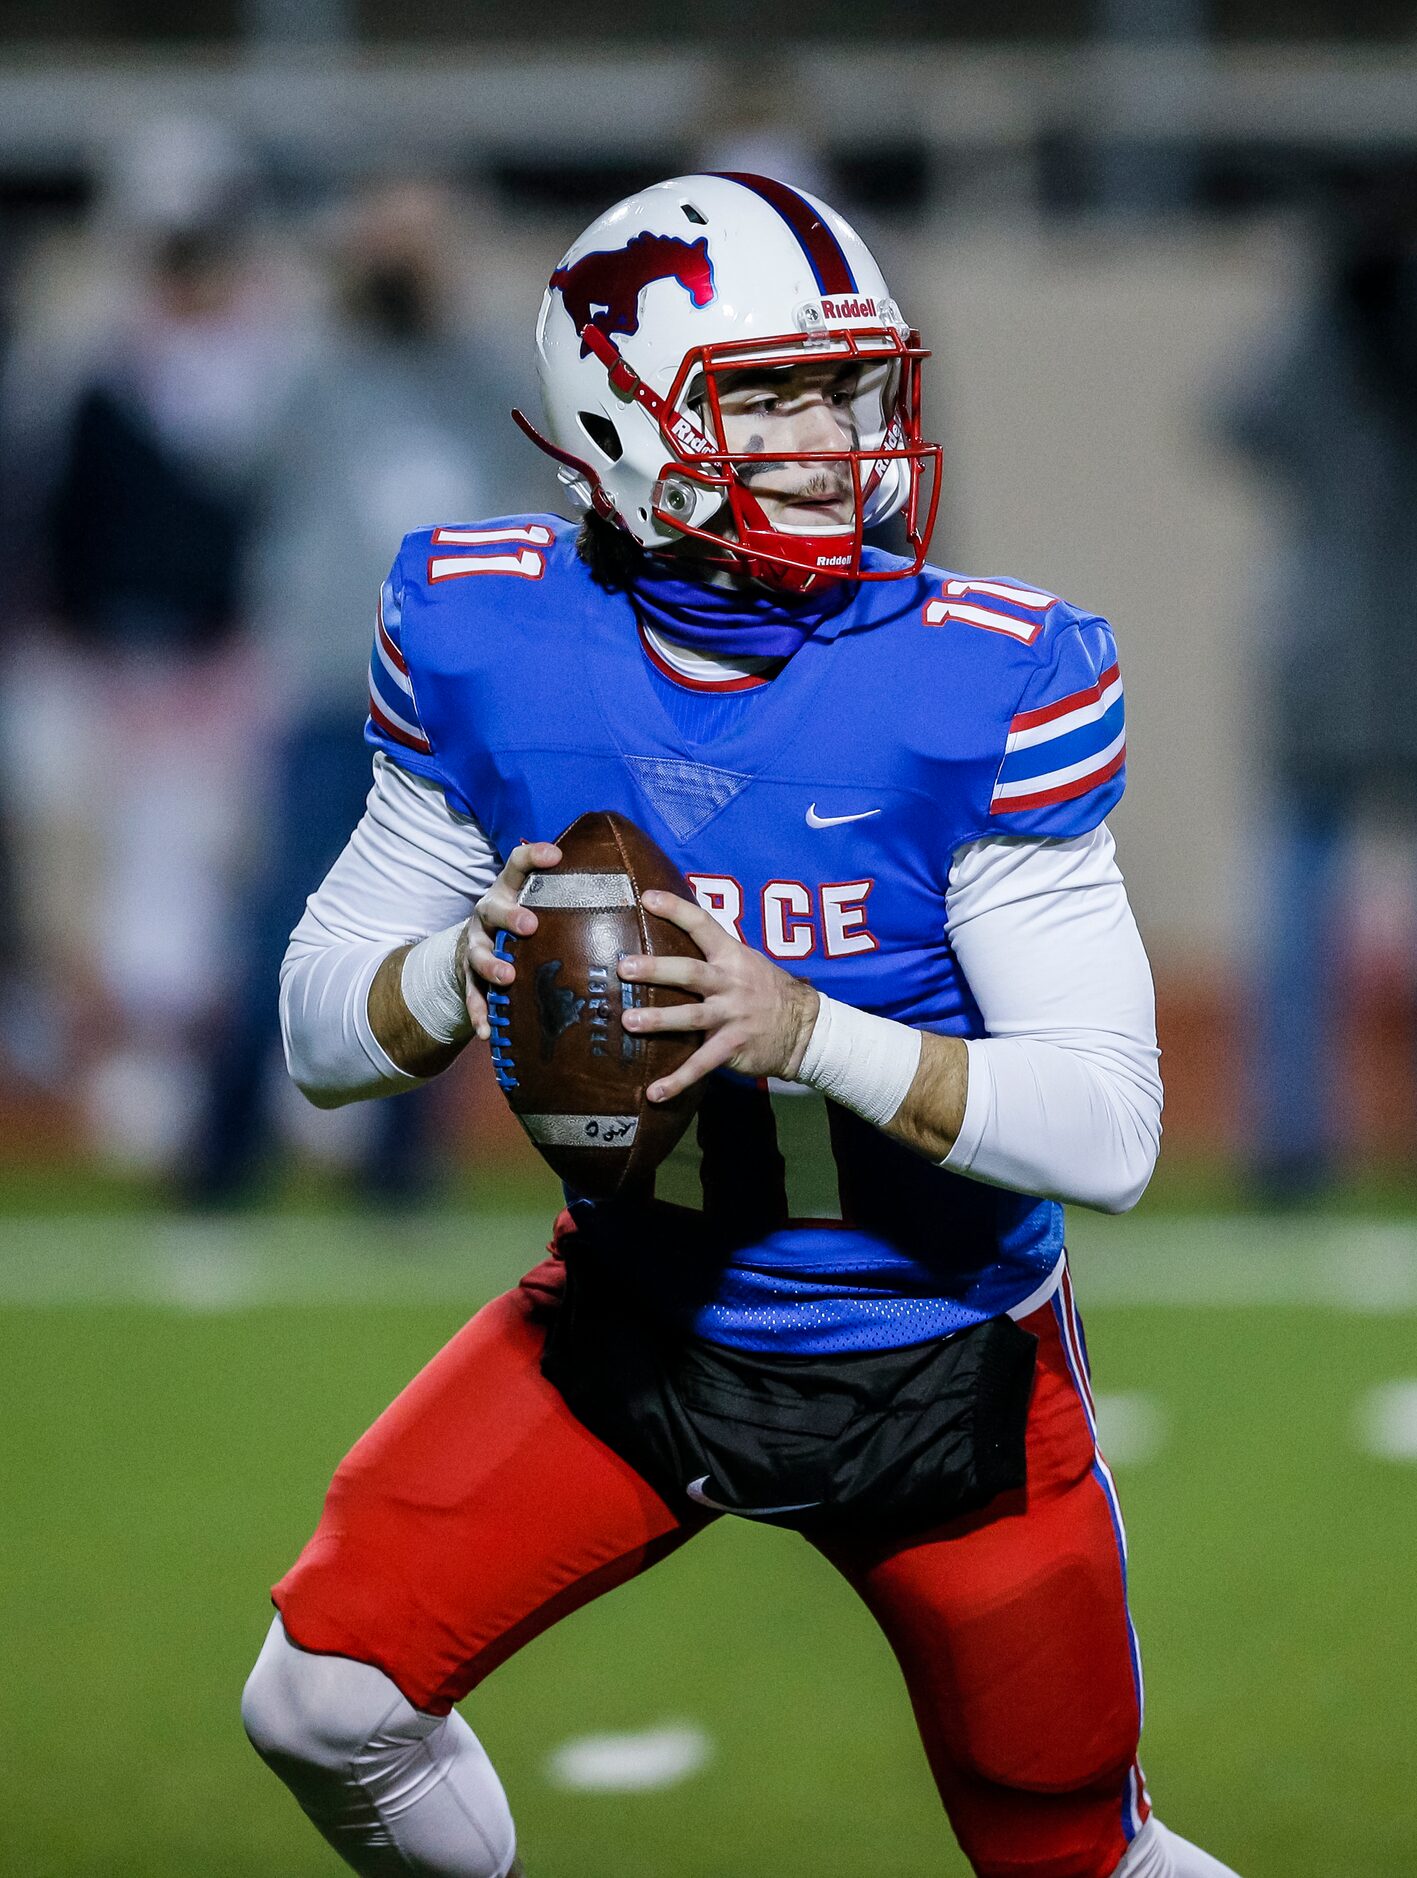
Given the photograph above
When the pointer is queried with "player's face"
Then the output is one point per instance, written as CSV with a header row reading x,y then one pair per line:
x,y
789,408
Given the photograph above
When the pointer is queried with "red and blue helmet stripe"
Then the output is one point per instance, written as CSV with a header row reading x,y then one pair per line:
x,y
816,240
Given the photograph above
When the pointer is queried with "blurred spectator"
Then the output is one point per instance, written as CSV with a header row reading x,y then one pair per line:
x,y
22,1046
148,516
401,419
136,413
1328,409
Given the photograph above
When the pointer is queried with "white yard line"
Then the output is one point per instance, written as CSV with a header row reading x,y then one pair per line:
x,y
1386,1421
1132,1426
241,1263
249,1263
630,1763
1368,1268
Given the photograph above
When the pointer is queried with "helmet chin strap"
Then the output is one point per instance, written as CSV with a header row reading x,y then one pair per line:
x,y
685,433
599,501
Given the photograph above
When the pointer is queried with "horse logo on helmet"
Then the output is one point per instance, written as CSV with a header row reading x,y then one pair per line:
x,y
604,289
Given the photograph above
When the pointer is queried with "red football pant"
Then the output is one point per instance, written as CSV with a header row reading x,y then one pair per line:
x,y
477,1511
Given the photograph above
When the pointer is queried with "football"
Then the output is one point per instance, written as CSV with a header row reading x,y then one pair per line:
x,y
575,1078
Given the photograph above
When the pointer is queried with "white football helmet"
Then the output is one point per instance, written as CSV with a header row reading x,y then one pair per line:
x,y
700,276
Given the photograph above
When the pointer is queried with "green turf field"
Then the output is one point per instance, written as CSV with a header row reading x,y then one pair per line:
x,y
175,1395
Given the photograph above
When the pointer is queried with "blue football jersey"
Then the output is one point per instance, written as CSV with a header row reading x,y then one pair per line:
x,y
817,822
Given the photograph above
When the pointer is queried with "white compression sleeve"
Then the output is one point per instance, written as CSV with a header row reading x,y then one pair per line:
x,y
1157,1853
412,867
1064,1092
394,1790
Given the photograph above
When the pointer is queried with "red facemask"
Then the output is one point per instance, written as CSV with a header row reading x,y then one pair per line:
x,y
784,559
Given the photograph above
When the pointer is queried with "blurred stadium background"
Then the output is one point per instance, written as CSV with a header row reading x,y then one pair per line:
x,y
267,275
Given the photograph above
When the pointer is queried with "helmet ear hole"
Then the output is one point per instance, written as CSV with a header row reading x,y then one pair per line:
x,y
602,434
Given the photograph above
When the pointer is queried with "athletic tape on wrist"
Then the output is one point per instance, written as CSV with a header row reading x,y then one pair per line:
x,y
866,1063
432,989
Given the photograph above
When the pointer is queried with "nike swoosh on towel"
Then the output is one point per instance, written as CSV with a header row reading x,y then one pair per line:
x,y
695,1491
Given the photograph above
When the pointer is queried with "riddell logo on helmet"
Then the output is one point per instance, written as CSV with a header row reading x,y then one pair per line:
x,y
604,289
849,309
690,439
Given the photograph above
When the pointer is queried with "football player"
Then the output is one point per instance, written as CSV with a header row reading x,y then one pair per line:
x,y
887,786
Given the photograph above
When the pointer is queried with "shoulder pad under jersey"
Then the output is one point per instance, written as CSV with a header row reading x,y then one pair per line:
x,y
456,578
1062,765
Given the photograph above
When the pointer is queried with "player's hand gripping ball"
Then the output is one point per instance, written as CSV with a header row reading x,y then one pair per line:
x,y
574,1076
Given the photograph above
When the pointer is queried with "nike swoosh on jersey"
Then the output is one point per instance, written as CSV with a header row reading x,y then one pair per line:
x,y
832,821
695,1491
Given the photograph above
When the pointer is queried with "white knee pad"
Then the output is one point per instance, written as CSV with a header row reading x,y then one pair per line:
x,y
1158,1853
393,1789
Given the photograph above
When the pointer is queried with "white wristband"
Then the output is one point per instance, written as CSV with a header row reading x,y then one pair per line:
x,y
866,1063
432,989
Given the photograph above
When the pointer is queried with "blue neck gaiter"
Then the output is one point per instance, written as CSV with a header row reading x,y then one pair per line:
x,y
731,623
